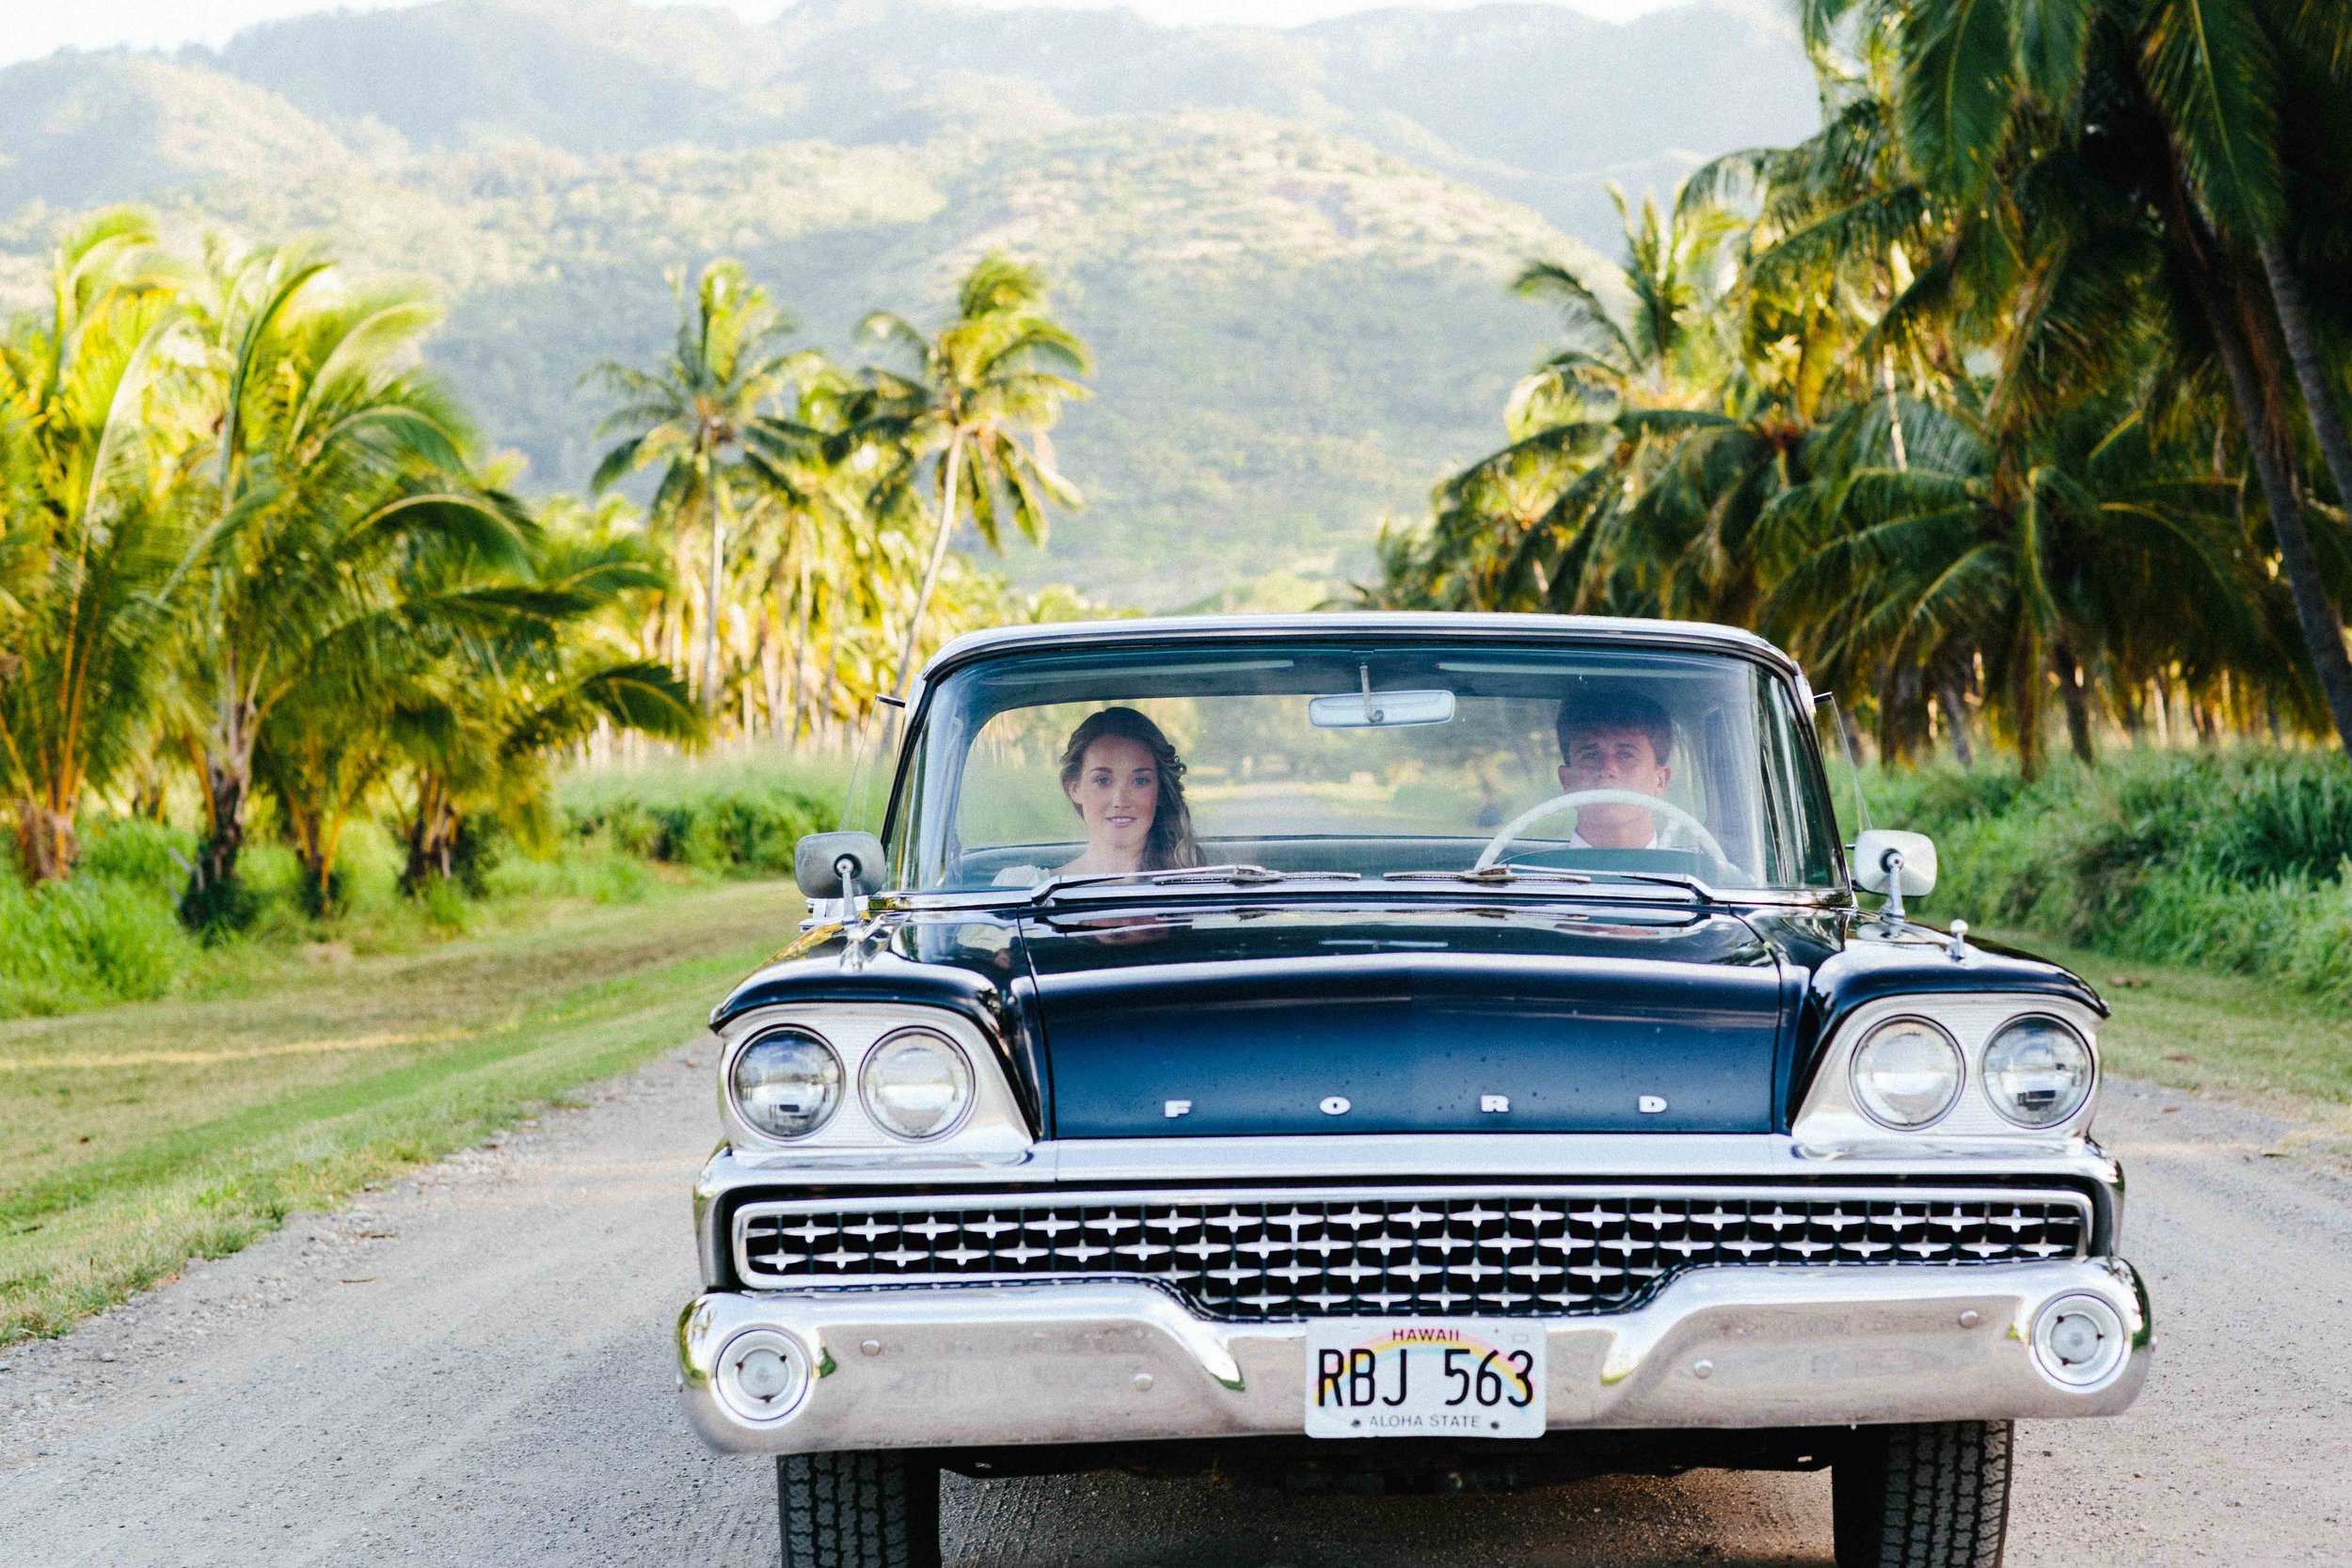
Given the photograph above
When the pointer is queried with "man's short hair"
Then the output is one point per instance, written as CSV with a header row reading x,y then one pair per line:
x,y
1614,709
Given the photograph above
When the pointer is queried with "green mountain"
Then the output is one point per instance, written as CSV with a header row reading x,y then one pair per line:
x,y
1288,247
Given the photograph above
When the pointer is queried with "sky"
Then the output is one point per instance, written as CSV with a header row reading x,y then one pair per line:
x,y
31,28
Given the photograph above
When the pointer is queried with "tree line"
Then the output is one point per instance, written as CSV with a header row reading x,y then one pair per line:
x,y
2015,388
258,565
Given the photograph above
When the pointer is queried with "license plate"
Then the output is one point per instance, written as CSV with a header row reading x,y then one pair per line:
x,y
1441,1377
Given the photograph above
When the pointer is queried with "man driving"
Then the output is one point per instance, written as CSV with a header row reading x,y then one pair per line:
x,y
1614,740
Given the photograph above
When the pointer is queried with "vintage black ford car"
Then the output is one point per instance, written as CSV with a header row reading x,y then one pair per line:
x,y
1406,1050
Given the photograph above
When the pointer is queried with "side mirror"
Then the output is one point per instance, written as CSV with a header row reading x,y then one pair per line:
x,y
1901,865
837,865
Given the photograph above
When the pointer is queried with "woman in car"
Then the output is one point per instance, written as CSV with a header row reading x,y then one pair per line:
x,y
1127,784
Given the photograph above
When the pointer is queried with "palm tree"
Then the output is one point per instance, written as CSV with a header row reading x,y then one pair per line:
x,y
323,752
333,455
821,487
690,415
999,371
94,527
1662,353
2039,561
513,669
2177,105
1542,520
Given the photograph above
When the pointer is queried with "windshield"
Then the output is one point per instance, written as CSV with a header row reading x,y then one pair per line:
x,y
1381,760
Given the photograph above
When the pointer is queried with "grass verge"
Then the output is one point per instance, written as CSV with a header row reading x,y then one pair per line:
x,y
136,1138
2192,1029
2234,862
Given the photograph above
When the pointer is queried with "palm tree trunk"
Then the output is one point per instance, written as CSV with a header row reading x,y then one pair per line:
x,y
1956,720
799,654
711,605
429,837
833,678
1894,413
46,843
318,832
2319,398
951,474
228,782
2323,627
2070,678
225,785
2026,689
679,577
2257,399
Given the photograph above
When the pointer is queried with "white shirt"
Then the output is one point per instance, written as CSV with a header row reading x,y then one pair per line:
x,y
1578,840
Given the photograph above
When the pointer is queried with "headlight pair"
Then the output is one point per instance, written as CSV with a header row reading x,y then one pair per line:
x,y
914,1083
1908,1073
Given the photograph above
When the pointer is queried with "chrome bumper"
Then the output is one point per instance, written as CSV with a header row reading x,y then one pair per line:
x,y
989,1365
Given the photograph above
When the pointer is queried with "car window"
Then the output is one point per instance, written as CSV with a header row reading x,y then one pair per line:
x,y
1280,762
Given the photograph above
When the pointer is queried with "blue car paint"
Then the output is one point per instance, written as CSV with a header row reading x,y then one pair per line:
x,y
1411,1009
1413,1016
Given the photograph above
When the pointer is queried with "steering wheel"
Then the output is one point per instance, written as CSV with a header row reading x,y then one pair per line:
x,y
1575,798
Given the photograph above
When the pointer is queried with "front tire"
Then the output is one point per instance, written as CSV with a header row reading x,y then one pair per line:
x,y
1923,1496
858,1511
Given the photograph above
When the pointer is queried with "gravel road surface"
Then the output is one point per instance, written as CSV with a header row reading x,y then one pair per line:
x,y
474,1367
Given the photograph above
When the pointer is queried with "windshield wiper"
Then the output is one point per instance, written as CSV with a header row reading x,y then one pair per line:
x,y
1490,875
1240,873
1504,873
1665,879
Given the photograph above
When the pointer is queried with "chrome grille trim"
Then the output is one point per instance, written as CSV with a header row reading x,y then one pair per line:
x,y
1259,1254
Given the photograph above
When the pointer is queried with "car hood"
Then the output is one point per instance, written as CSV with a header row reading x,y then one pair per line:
x,y
1598,1016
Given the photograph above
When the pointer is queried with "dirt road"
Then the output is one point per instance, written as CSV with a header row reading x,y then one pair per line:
x,y
474,1367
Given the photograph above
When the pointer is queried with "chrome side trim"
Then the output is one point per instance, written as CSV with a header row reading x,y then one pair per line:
x,y
1360,1156
1577,1156
989,1365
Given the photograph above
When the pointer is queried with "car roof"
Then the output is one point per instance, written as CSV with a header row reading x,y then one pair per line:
x,y
1372,624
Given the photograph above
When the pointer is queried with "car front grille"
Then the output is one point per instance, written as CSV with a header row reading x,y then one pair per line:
x,y
1382,1252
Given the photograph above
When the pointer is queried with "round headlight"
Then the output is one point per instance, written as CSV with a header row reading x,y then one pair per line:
x,y
1906,1074
786,1083
2037,1071
916,1083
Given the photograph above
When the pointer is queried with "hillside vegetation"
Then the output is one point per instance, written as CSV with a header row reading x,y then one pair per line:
x,y
1289,248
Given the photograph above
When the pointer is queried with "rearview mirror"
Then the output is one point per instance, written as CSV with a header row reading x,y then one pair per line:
x,y
837,865
1882,853
1379,710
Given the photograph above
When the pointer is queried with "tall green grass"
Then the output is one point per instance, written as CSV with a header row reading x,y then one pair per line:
x,y
111,933
2234,862
731,816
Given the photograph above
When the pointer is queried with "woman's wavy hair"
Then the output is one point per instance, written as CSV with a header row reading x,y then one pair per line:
x,y
1170,845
